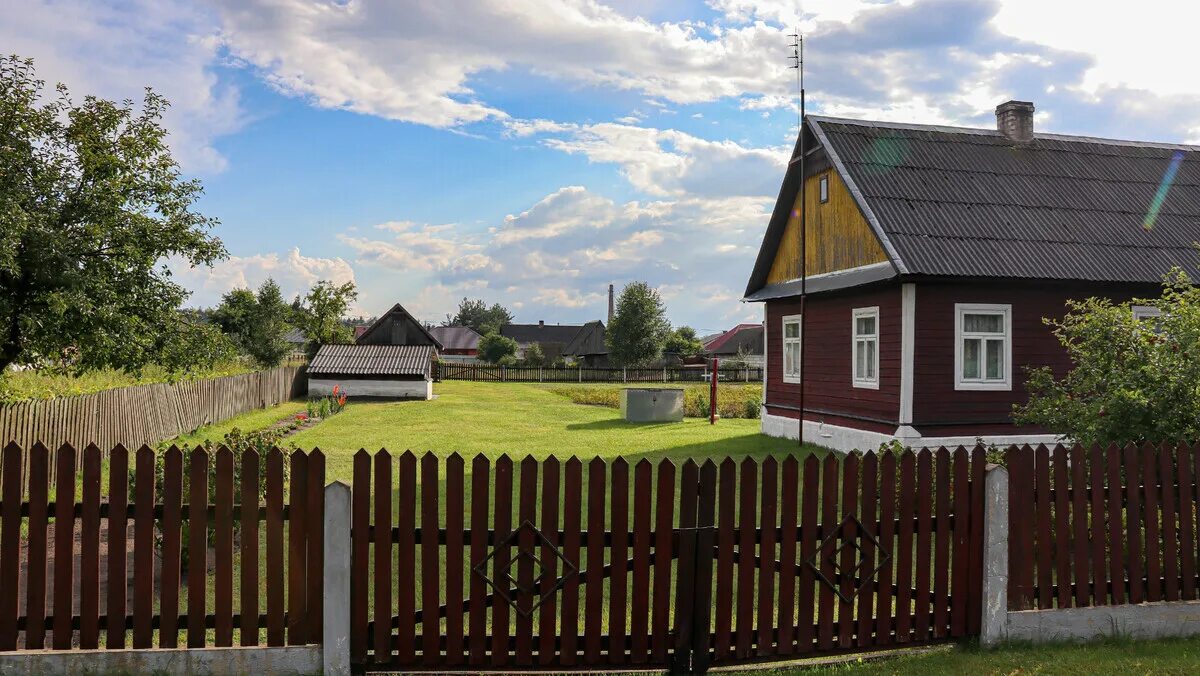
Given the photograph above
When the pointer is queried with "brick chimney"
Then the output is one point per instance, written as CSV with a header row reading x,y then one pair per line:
x,y
541,323
1014,119
610,303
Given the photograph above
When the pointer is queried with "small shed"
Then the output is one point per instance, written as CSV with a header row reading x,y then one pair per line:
x,y
391,371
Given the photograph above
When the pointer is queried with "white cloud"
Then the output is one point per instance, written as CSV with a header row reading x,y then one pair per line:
x,y
115,51
294,272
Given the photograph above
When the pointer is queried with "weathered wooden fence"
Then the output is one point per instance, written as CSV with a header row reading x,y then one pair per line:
x,y
548,374
677,568
145,414
1102,526
181,542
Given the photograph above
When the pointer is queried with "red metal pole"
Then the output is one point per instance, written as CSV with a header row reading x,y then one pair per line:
x,y
712,395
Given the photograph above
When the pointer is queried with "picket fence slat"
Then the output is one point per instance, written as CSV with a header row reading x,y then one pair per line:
x,y
89,552
143,548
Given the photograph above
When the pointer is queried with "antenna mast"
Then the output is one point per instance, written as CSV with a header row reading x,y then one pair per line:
x,y
797,59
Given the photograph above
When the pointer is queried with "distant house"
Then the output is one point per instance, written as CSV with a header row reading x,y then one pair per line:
x,y
588,348
296,340
552,338
460,344
392,358
744,340
391,371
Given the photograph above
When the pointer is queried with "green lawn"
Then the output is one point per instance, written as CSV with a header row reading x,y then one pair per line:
x,y
251,420
1173,656
523,419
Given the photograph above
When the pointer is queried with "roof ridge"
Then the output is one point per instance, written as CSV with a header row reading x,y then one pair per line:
x,y
980,131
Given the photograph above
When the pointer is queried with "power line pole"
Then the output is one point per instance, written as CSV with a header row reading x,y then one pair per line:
x,y
797,59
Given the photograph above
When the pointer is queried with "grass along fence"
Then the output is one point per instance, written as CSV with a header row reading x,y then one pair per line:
x,y
144,414
549,374
65,553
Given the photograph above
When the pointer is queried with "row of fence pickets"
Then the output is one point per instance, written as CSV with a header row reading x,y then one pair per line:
x,y
584,374
1082,543
731,532
930,507
145,414
71,611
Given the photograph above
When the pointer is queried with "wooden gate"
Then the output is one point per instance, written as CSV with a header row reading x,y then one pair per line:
x,y
601,567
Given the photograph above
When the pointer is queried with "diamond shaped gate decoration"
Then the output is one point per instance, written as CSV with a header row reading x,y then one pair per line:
x,y
854,544
507,581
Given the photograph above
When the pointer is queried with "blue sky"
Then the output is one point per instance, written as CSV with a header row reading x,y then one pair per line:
x,y
530,152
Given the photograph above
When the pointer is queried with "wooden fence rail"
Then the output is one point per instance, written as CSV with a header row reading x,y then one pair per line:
x,y
1102,526
145,414
563,565
75,588
548,374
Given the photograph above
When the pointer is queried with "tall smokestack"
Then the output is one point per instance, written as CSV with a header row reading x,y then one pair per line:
x,y
610,303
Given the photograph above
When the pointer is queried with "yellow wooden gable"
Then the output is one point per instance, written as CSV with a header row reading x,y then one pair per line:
x,y
839,238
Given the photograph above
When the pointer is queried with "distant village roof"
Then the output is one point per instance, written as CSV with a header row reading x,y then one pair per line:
x,y
396,315
456,337
372,360
743,337
295,337
589,340
541,332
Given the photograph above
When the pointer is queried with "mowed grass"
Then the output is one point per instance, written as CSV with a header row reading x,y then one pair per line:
x,y
252,420
1170,656
524,419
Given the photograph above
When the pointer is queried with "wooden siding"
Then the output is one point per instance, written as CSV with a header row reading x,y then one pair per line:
x,y
396,329
939,409
827,359
838,237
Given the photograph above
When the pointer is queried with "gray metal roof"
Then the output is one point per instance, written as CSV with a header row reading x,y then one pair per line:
x,y
456,337
589,340
372,360
540,333
971,203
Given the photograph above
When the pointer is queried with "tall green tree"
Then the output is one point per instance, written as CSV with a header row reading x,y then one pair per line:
x,y
257,322
91,204
321,312
477,315
639,328
683,342
1132,380
497,349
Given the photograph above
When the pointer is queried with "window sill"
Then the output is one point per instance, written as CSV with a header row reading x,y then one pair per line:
x,y
793,380
866,385
983,386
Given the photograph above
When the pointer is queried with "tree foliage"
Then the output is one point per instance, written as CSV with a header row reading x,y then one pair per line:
x,y
258,323
1132,381
683,342
497,349
91,203
477,315
534,356
639,328
320,314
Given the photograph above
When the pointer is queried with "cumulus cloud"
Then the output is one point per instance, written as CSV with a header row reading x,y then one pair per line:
x,y
556,258
294,272
114,51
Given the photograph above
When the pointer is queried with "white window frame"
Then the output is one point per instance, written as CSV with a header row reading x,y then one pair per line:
x,y
960,312
1143,312
823,188
857,379
784,341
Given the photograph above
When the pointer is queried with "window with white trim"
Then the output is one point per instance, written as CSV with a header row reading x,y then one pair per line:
x,y
982,347
791,349
824,184
865,330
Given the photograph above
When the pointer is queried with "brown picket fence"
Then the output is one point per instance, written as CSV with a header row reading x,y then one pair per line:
x,y
62,578
555,565
571,374
1102,526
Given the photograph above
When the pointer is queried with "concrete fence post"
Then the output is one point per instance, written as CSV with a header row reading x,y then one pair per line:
x,y
995,557
335,643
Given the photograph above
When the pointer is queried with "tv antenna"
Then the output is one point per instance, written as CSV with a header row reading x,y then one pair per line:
x,y
797,62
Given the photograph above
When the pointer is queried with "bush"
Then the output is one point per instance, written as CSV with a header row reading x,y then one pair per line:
x,y
752,408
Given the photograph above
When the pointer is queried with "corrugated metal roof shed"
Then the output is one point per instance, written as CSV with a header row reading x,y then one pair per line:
x,y
372,360
971,203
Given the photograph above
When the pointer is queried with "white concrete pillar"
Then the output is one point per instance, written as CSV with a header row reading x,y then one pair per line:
x,y
335,643
995,557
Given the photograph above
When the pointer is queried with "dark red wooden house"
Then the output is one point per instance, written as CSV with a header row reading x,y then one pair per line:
x,y
932,256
